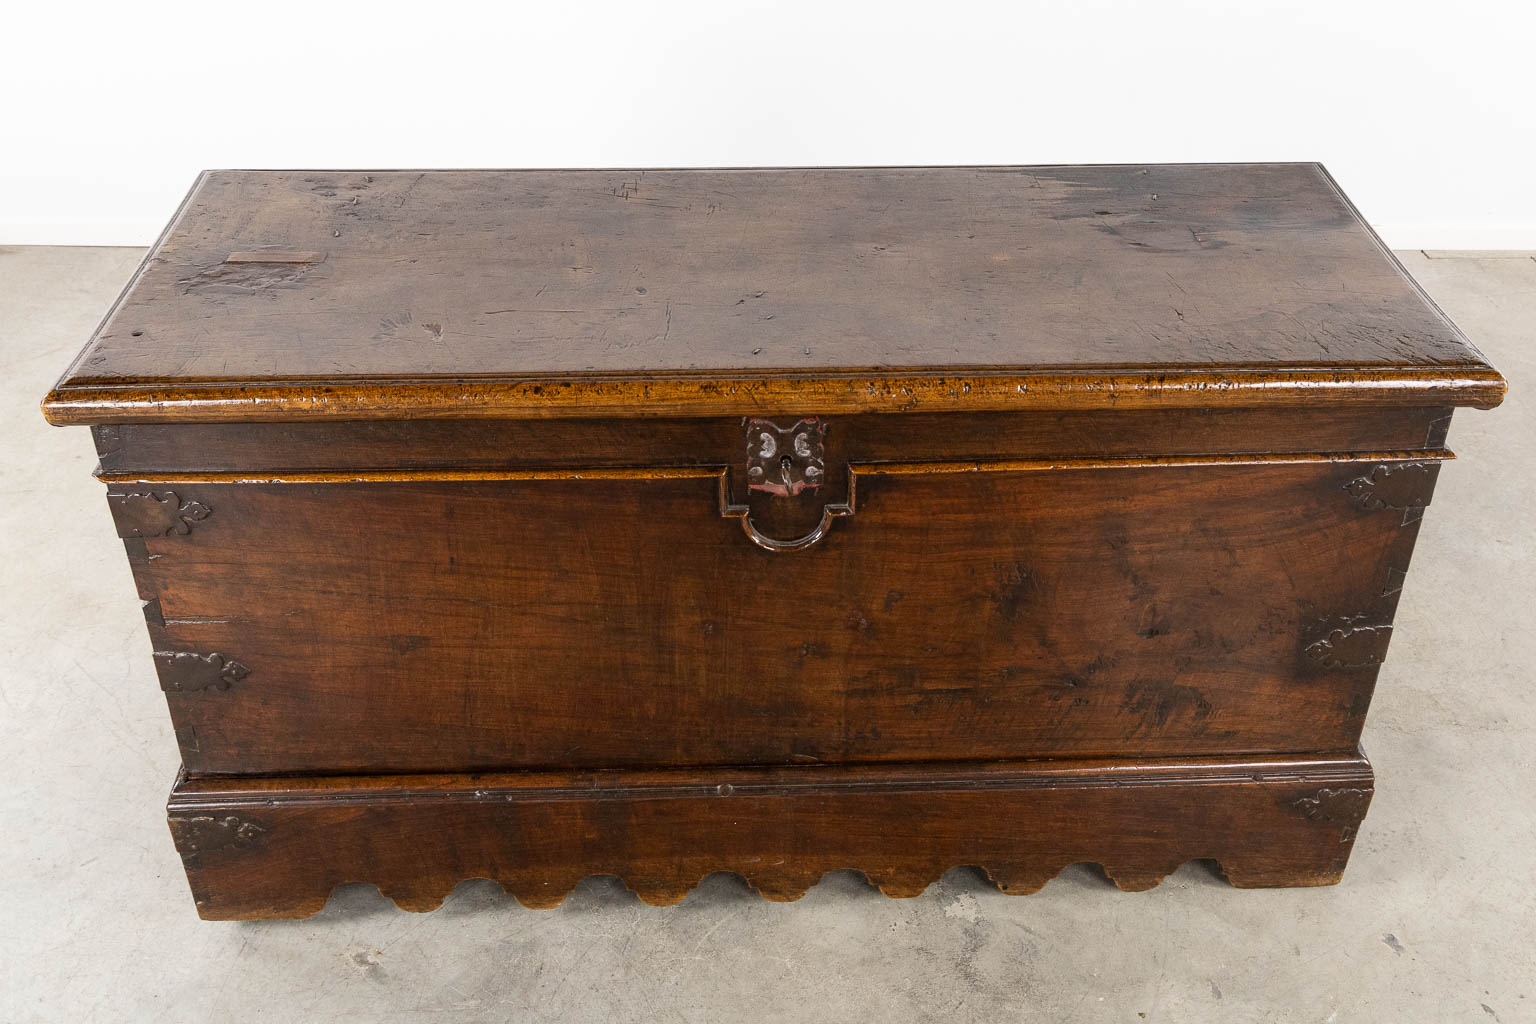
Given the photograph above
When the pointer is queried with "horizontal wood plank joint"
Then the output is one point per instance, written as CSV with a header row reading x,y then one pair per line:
x,y
711,472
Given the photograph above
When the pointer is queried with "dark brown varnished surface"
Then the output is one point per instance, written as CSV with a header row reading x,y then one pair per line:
x,y
481,624
265,848
436,488
153,450
414,294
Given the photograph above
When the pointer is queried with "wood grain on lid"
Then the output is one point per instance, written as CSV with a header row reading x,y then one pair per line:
x,y
558,293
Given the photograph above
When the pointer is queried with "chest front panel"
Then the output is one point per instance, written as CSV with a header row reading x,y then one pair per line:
x,y
480,619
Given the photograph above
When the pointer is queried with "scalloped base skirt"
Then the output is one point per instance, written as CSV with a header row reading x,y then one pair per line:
x,y
275,847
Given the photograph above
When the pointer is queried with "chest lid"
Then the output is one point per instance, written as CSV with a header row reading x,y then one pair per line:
x,y
281,295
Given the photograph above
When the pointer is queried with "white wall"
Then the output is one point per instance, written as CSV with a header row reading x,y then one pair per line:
x,y
1424,112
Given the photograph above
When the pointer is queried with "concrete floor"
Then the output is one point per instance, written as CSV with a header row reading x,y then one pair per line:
x,y
1435,920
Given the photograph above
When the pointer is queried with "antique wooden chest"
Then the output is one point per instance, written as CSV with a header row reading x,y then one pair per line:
x,y
536,524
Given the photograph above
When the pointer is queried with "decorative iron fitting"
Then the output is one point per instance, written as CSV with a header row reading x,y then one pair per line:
x,y
188,672
786,460
155,514
1344,806
1404,487
206,833
1351,642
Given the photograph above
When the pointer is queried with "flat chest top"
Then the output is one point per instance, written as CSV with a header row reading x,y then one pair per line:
x,y
536,293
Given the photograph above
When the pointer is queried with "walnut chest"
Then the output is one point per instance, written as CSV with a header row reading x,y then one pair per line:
x,y
535,524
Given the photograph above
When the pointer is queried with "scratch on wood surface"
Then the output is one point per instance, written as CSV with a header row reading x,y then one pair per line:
x,y
246,277
409,189
275,256
391,327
